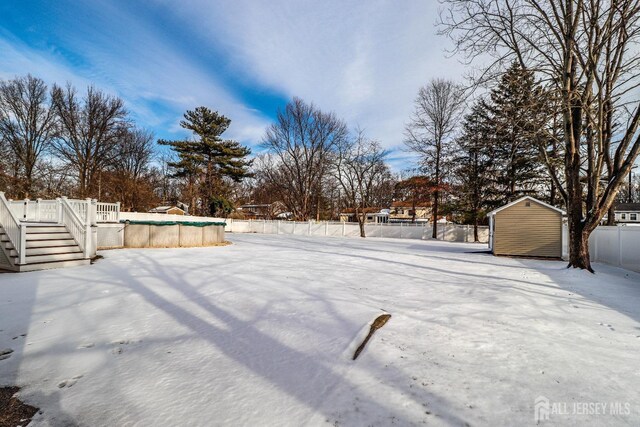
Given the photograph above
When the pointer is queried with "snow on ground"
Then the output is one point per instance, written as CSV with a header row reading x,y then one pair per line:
x,y
262,332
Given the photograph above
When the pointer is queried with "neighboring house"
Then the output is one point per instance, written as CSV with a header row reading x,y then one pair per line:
x,y
262,210
172,210
373,215
403,211
627,212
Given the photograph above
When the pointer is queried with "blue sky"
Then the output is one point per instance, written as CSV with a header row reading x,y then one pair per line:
x,y
246,59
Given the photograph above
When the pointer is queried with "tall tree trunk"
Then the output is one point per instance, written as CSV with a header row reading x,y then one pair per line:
x,y
579,247
361,219
578,236
434,230
611,216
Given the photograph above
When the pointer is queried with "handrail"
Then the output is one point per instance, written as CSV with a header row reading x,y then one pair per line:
x,y
74,225
13,228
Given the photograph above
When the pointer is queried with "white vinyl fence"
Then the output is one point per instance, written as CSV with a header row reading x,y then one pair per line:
x,y
616,245
144,216
422,231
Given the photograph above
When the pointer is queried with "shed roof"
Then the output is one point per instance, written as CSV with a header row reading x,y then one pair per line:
x,y
533,199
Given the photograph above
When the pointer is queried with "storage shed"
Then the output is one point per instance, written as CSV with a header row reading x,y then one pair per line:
x,y
526,227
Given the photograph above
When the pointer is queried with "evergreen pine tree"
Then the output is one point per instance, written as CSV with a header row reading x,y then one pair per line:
x,y
208,160
474,167
512,111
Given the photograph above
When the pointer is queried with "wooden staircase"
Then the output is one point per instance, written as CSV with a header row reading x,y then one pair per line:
x,y
48,245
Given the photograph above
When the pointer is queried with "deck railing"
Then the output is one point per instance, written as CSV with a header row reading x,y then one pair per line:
x,y
107,212
13,228
79,229
49,210
34,210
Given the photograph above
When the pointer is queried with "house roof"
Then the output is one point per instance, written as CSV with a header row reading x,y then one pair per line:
x,y
365,210
163,209
533,199
627,207
263,205
409,204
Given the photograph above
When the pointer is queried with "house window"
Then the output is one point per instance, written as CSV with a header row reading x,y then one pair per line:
x,y
527,204
624,216
633,217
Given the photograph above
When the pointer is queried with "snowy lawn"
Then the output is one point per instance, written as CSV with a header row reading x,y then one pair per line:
x,y
262,333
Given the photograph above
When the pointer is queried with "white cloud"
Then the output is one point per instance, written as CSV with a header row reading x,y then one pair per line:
x,y
364,60
133,60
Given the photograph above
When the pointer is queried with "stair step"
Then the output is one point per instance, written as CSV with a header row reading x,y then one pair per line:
x,y
46,229
48,236
51,250
52,264
31,259
48,243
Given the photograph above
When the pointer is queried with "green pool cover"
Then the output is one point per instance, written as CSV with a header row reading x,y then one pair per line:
x,y
191,224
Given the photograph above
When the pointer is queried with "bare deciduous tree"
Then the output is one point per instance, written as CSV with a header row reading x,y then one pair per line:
x,y
586,51
299,146
89,132
361,171
27,125
438,107
128,179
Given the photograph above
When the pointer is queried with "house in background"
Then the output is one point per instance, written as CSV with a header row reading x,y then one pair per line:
x,y
373,215
403,211
172,210
627,212
263,211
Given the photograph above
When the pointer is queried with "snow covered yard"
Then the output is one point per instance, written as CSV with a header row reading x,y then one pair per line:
x,y
262,333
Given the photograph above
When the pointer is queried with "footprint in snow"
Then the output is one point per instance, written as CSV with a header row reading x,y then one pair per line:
x,y
5,353
70,382
87,345
118,349
607,325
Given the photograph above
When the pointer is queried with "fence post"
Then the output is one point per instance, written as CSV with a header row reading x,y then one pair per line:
x,y
309,228
117,211
23,244
343,228
87,229
59,210
93,204
326,228
25,208
37,215
619,245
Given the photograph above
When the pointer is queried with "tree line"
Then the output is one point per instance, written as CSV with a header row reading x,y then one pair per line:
x,y
58,142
